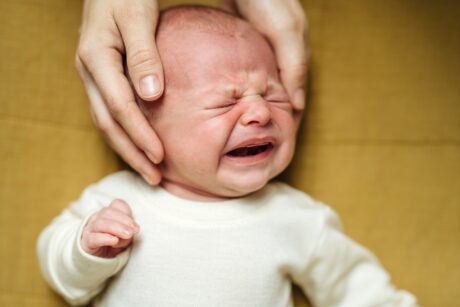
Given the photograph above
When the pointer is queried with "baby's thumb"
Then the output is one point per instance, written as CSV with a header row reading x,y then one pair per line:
x,y
143,60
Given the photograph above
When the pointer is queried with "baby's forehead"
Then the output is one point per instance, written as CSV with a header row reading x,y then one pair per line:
x,y
195,57
207,48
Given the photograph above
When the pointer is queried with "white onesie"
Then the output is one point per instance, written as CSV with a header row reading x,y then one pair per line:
x,y
240,252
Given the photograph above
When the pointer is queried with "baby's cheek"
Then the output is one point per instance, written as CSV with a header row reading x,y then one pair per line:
x,y
211,135
222,126
286,119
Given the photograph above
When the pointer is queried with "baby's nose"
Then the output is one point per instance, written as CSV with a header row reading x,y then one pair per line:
x,y
255,111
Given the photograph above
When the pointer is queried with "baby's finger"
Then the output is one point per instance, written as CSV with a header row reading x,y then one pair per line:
x,y
118,216
120,205
94,241
122,243
102,225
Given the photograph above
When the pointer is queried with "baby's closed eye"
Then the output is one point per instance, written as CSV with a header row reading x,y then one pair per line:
x,y
222,104
279,100
220,107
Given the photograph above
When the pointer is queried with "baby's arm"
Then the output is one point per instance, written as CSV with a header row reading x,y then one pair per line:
x,y
85,245
342,273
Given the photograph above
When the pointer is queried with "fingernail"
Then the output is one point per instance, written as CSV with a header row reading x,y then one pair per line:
x,y
299,98
152,157
147,178
149,86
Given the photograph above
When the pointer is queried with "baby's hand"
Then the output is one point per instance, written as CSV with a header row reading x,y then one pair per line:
x,y
109,231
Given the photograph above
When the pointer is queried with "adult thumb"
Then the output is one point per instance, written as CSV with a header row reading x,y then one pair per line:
x,y
137,27
293,55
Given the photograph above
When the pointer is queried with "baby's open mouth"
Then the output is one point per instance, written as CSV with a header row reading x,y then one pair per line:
x,y
250,150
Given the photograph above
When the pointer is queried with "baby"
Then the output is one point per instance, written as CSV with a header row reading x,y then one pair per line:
x,y
216,232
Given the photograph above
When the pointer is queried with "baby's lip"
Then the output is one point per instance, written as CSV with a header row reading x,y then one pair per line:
x,y
256,141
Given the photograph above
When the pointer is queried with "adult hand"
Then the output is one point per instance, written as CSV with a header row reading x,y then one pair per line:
x,y
285,25
110,30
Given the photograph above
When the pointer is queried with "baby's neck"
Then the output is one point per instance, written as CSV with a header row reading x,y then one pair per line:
x,y
188,192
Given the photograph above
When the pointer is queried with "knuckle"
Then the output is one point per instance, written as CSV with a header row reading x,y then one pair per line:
x,y
121,205
84,237
141,60
78,63
301,67
296,70
105,212
92,219
100,224
96,119
116,107
117,203
104,125
295,22
90,242
85,50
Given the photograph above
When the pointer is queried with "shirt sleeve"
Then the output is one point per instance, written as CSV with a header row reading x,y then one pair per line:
x,y
73,273
341,273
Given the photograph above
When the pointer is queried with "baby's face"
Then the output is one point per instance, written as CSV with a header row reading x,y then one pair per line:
x,y
225,121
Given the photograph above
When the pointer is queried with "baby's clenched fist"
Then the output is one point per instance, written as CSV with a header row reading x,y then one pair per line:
x,y
109,231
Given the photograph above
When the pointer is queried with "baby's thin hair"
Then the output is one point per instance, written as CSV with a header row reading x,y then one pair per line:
x,y
199,18
191,19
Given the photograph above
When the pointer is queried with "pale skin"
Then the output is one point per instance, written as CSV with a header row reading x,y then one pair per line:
x,y
230,95
109,231
111,29
234,103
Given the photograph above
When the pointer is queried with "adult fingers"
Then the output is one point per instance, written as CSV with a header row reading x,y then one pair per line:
x,y
118,138
106,69
137,24
292,58
284,23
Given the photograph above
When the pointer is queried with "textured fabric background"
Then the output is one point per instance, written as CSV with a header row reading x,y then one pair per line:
x,y
380,142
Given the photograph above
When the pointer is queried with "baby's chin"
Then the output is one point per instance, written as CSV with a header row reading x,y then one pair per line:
x,y
214,190
235,191
227,182
239,186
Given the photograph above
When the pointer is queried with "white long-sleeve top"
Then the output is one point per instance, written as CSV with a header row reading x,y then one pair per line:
x,y
239,252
